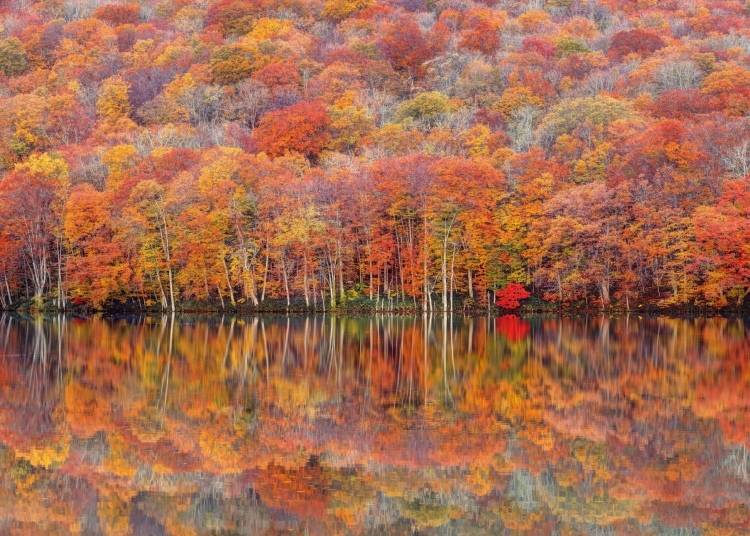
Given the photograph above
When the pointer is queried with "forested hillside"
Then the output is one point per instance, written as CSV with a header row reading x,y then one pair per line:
x,y
236,153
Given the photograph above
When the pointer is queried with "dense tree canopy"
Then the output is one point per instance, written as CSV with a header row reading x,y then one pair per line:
x,y
420,154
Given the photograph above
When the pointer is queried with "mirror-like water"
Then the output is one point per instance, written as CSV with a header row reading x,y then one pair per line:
x,y
381,425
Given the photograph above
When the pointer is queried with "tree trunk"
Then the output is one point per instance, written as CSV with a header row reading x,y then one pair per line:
x,y
471,283
424,265
412,269
7,289
229,281
453,277
444,273
605,292
332,280
304,281
399,263
322,291
60,289
162,296
248,270
168,256
314,294
342,292
369,264
221,297
265,278
205,283
286,280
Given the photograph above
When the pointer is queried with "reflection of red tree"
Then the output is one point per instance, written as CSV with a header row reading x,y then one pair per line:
x,y
512,327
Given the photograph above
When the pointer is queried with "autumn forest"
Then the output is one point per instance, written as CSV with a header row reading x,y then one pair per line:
x,y
416,154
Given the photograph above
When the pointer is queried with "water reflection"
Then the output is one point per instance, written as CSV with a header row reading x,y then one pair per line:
x,y
387,424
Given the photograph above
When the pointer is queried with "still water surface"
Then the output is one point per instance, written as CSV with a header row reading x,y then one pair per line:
x,y
380,425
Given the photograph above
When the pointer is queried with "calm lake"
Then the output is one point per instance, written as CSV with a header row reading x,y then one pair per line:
x,y
374,425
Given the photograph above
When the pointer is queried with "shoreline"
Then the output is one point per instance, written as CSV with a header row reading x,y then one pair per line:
x,y
366,310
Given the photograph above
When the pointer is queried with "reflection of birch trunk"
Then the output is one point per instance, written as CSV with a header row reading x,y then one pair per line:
x,y
411,378
227,345
5,322
286,344
453,353
738,462
60,324
164,391
368,378
331,343
340,354
444,355
254,342
248,345
470,338
427,329
400,363
304,341
265,353
38,369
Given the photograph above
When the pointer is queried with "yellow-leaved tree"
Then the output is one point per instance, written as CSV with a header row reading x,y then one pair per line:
x,y
113,102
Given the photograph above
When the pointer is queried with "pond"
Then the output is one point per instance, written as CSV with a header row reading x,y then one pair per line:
x,y
374,425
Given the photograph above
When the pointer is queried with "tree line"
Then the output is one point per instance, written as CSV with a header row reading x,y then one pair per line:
x,y
250,154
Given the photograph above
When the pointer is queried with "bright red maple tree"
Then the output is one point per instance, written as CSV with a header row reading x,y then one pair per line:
x,y
511,295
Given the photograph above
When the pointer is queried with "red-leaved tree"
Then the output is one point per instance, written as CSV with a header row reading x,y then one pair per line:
x,y
510,296
302,127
